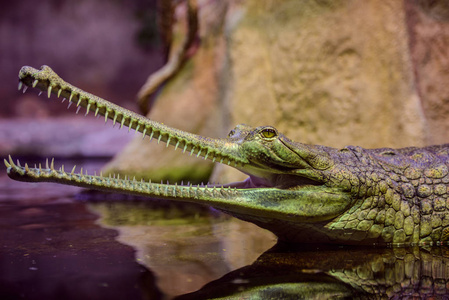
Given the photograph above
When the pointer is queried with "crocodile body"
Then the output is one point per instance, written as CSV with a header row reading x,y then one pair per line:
x,y
300,192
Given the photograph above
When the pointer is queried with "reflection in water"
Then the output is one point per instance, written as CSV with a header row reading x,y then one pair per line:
x,y
337,273
184,245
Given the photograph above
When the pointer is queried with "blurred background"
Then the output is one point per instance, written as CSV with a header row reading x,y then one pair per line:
x,y
105,47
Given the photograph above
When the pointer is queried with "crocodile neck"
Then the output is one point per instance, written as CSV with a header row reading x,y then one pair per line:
x,y
302,193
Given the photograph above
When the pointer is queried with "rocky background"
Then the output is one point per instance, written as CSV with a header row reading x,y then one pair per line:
x,y
369,73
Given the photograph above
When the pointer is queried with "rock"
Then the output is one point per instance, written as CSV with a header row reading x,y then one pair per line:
x,y
323,72
428,23
191,102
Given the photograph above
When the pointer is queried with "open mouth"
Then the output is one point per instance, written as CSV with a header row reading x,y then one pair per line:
x,y
275,189
207,148
49,82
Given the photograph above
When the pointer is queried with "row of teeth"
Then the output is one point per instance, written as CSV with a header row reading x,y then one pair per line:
x,y
50,168
122,123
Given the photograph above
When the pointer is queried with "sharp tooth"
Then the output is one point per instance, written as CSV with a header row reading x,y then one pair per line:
x,y
70,104
71,96
78,109
143,133
185,148
20,85
11,162
106,116
151,135
73,170
130,125
59,92
96,111
87,109
191,151
35,82
63,99
52,164
49,91
123,122
114,120
137,128
25,89
7,164
168,142
18,164
177,144
40,93
159,138
46,164
199,152
79,101
27,168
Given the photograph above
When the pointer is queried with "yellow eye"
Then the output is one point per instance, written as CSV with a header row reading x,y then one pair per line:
x,y
268,133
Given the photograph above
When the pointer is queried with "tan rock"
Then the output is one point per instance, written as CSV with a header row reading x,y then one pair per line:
x,y
429,40
188,102
322,72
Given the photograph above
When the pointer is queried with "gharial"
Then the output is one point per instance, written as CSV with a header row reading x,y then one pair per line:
x,y
302,193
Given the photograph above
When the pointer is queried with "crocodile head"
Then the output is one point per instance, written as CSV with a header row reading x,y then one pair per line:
x,y
289,183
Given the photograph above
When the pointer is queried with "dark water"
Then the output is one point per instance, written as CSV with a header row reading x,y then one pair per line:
x,y
57,242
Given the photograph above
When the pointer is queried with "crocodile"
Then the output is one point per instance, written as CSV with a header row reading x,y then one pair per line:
x,y
302,193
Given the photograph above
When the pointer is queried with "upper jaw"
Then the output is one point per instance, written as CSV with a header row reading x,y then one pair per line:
x,y
220,150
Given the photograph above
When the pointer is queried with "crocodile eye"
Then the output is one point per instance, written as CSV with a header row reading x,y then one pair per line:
x,y
231,133
268,133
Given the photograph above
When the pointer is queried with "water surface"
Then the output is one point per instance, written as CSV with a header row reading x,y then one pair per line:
x,y
58,242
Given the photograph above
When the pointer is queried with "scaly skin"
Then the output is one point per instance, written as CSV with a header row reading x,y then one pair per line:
x,y
302,193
